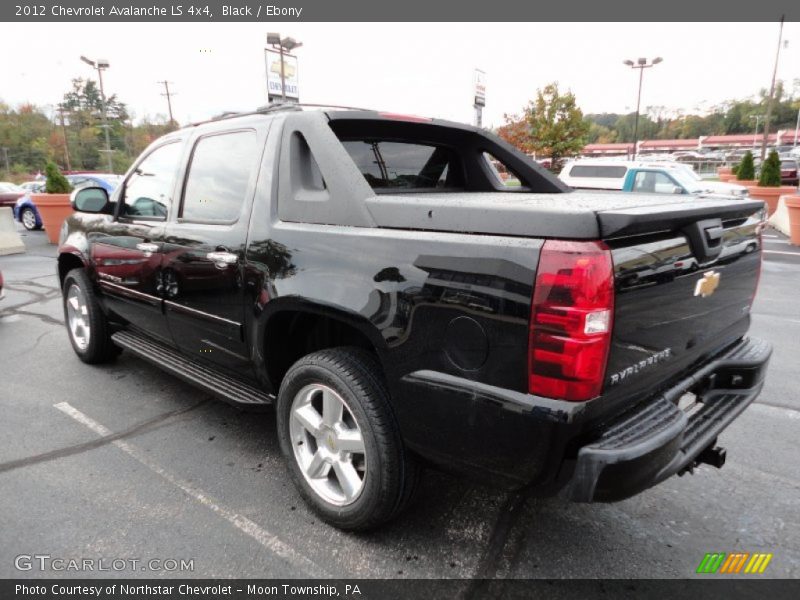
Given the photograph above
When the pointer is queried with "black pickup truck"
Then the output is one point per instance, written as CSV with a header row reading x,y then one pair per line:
x,y
371,276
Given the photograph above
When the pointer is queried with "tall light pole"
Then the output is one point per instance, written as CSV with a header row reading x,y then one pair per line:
x,y
640,64
796,127
60,109
282,44
100,66
755,133
771,94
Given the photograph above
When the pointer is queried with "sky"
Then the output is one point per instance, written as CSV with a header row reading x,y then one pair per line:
x,y
414,68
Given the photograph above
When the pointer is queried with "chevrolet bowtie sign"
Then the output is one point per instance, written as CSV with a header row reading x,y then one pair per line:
x,y
707,284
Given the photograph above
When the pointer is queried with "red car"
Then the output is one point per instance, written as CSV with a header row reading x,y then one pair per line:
x,y
10,193
789,171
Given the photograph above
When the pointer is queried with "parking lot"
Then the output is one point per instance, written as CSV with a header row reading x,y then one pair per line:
x,y
123,461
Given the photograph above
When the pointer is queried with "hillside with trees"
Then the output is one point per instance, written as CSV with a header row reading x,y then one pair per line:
x,y
70,133
731,117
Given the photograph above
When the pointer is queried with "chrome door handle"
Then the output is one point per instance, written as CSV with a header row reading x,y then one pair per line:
x,y
147,247
222,259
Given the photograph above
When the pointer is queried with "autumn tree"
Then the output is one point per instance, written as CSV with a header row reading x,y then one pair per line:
x,y
551,125
516,132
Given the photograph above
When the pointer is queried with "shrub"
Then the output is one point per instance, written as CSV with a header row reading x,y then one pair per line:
x,y
735,169
747,169
771,171
55,182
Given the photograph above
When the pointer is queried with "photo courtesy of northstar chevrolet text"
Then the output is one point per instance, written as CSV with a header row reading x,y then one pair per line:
x,y
309,300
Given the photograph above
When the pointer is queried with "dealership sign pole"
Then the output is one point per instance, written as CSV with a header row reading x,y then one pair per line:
x,y
479,96
282,79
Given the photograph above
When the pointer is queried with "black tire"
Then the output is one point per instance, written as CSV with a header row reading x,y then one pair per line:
x,y
32,214
100,348
391,475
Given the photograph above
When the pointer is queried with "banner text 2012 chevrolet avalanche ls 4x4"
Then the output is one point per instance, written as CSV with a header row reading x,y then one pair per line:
x,y
372,276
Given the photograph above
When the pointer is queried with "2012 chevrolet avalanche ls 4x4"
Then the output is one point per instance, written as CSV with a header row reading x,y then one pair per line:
x,y
371,276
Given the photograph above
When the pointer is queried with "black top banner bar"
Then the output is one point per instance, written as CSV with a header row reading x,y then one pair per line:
x,y
199,11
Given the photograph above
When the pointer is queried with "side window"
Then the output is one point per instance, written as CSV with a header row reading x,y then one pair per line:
x,y
148,191
500,171
219,174
609,172
655,183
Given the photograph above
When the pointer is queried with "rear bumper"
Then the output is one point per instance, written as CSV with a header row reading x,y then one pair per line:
x,y
656,439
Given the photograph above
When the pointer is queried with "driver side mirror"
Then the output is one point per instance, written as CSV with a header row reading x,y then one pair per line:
x,y
91,200
676,189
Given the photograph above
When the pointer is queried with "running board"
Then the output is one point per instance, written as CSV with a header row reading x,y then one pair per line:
x,y
203,376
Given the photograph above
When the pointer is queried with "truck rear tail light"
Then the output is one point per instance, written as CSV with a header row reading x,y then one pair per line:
x,y
571,320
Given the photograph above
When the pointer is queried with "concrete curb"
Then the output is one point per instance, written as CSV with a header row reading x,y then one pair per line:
x,y
10,242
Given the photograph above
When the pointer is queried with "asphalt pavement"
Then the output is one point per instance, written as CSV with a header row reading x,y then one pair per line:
x,y
125,462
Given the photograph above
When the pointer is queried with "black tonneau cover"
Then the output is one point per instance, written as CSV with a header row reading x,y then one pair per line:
x,y
577,215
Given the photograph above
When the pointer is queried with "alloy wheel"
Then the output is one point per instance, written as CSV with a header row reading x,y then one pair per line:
x,y
328,444
28,219
78,317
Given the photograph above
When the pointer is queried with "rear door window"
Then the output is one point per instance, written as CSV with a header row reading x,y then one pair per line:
x,y
219,176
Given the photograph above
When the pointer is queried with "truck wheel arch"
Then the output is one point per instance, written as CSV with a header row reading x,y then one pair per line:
x,y
66,262
290,333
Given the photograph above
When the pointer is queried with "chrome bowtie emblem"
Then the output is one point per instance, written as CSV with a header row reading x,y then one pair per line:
x,y
707,284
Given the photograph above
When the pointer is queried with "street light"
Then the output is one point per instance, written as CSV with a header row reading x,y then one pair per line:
x,y
640,64
100,66
282,44
755,133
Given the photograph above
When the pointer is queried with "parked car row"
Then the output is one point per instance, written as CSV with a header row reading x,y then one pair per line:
x,y
25,210
9,193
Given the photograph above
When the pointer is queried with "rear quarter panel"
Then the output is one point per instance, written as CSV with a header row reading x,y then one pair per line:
x,y
457,304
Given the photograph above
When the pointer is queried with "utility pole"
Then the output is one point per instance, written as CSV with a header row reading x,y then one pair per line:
x,y
8,167
64,132
755,133
169,95
771,94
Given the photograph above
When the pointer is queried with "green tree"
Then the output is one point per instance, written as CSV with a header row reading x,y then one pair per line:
x,y
557,128
83,109
55,183
771,171
747,169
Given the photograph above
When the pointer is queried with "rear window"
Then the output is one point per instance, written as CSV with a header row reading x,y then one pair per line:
x,y
788,164
404,165
609,172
